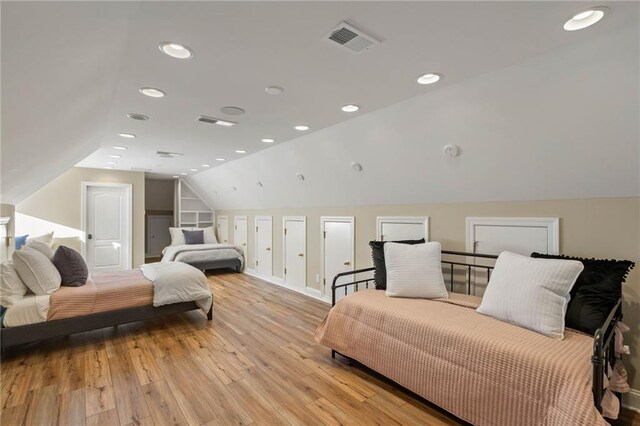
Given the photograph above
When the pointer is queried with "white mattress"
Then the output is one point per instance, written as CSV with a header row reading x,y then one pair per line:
x,y
31,309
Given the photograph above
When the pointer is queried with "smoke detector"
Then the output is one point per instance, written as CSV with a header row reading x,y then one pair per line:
x,y
351,38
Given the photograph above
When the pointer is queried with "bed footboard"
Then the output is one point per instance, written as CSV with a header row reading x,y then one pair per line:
x,y
603,356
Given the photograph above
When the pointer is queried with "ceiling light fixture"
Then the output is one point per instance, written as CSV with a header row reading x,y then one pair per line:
x,y
220,159
206,165
127,135
585,19
115,156
112,162
429,78
175,177
268,140
176,50
301,127
274,90
120,148
184,173
193,170
152,92
231,110
350,108
241,151
136,116
108,167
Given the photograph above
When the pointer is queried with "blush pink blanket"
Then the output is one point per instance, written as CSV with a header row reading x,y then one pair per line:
x,y
482,370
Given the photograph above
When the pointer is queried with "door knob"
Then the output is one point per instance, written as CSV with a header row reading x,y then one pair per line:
x,y
89,236
301,254
347,263
268,248
244,244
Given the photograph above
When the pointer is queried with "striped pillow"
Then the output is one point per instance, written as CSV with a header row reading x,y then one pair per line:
x,y
531,293
414,270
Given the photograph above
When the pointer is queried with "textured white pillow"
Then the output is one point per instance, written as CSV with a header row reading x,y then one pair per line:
x,y
36,271
532,293
177,236
12,289
209,235
414,270
43,248
46,238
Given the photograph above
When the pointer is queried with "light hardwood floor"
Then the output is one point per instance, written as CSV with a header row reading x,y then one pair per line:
x,y
255,363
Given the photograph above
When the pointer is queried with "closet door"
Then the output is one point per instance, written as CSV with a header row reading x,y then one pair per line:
x,y
338,249
240,232
394,228
223,229
263,252
294,250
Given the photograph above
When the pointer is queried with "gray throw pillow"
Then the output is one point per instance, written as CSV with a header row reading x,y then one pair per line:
x,y
72,267
193,237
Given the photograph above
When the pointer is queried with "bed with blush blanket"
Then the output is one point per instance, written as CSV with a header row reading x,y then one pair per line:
x,y
206,256
483,370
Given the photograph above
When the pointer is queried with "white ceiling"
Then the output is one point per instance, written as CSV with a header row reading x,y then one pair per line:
x,y
71,71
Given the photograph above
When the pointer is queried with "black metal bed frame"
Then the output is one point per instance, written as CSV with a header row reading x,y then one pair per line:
x,y
603,355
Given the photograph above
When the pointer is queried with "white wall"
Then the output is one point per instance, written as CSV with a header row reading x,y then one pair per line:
x,y
559,126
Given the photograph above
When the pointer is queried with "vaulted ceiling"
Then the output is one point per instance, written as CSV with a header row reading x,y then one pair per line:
x,y
71,72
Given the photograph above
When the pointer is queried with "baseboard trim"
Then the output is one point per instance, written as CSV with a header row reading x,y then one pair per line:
x,y
309,292
631,400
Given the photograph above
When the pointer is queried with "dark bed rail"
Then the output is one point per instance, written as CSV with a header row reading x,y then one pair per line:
x,y
603,340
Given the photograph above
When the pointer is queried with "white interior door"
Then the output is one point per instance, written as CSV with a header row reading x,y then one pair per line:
x,y
240,232
395,228
337,250
264,252
223,229
158,236
107,224
295,251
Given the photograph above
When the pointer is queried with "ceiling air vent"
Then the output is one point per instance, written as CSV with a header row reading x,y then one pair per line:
x,y
168,154
211,120
140,169
351,38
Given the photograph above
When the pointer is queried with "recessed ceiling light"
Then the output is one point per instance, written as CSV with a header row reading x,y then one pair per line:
x,y
184,173
121,148
220,159
194,170
108,167
175,177
241,151
115,156
176,50
112,162
301,127
206,165
350,108
274,90
268,140
585,19
151,92
127,135
136,116
428,78
231,110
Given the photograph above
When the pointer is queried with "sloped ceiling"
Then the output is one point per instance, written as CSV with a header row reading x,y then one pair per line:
x,y
71,70
562,125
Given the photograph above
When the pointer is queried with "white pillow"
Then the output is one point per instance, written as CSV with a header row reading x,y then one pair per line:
x,y
41,247
36,271
46,238
177,236
414,270
12,289
532,293
209,235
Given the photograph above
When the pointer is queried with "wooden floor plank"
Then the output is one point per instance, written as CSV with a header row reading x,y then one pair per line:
x,y
256,363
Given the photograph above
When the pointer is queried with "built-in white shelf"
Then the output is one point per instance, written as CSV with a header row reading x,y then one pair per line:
x,y
192,211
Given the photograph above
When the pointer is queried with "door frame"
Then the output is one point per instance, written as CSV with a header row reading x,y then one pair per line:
x,y
302,219
416,220
255,240
323,220
84,186
235,228
217,222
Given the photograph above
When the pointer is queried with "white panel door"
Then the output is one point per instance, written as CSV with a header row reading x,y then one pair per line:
x,y
108,227
264,252
394,228
294,251
158,236
337,250
240,232
223,229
